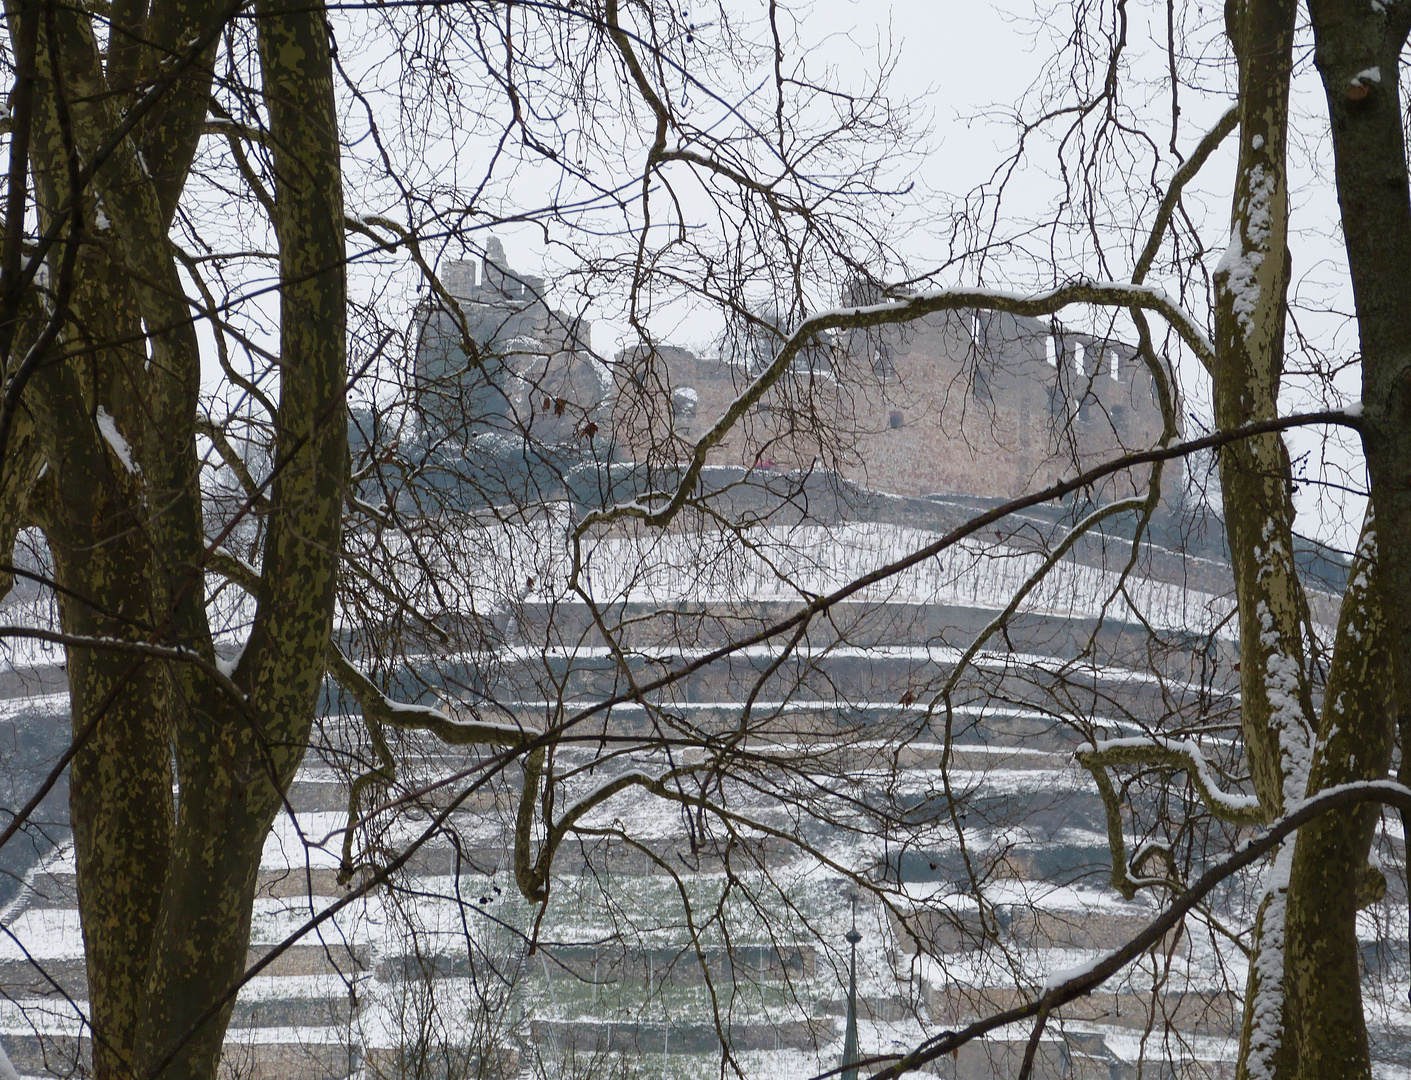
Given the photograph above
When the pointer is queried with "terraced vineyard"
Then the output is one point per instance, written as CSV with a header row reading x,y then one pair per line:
x,y
672,941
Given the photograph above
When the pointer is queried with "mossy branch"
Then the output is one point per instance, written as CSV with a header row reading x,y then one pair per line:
x,y
1122,879
1182,755
532,873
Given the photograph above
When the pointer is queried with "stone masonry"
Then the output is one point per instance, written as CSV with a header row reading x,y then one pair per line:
x,y
971,403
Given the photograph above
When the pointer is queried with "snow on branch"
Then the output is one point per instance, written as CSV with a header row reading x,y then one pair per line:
x,y
1182,754
378,709
456,732
120,447
140,648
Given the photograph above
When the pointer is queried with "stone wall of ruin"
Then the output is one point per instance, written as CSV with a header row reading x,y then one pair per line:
x,y
962,403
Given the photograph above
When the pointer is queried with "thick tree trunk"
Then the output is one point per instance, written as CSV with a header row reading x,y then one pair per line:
x,y
1276,694
1357,51
1304,1007
1251,283
120,788
120,779
166,900
1358,47
1330,877
235,768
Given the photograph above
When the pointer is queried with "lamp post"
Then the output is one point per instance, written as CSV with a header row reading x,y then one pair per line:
x,y
850,1032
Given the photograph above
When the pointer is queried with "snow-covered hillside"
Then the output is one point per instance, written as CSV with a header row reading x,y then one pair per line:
x,y
849,764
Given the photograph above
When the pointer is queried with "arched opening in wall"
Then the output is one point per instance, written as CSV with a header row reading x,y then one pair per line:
x,y
894,420
882,365
683,408
978,335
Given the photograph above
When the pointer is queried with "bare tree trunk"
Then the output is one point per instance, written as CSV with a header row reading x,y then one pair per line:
x,y
121,780
166,891
1304,1007
1358,48
1252,282
1357,53
1330,878
1251,285
234,771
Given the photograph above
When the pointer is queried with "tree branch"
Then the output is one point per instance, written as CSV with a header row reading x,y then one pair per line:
x,y
1192,165
141,648
1183,755
961,532
1084,982
379,709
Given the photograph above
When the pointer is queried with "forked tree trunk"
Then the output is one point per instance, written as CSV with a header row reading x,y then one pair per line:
x,y
234,770
1303,1007
166,886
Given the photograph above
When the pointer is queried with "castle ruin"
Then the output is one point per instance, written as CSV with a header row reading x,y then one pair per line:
x,y
970,403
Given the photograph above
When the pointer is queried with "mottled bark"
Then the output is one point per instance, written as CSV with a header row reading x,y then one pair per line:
x,y
1358,48
1251,285
1330,877
1303,1008
166,898
120,780
234,770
